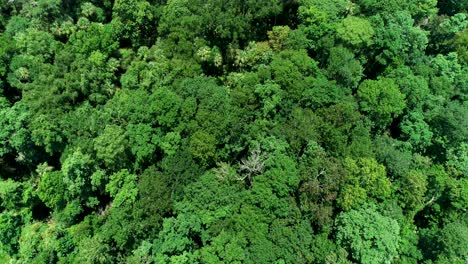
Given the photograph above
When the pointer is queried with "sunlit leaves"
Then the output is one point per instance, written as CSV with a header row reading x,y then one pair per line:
x,y
381,99
111,146
355,31
366,179
122,187
369,236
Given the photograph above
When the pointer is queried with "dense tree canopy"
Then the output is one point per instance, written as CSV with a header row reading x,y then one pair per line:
x,y
254,131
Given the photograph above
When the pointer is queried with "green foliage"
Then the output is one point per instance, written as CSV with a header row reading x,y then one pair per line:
x,y
39,242
382,100
366,179
321,180
76,170
202,146
291,70
10,226
412,190
52,189
344,68
92,250
446,244
135,20
417,8
318,17
457,160
111,146
355,31
415,87
224,131
461,41
323,92
368,236
140,140
416,131
122,188
183,22
397,40
10,194
453,239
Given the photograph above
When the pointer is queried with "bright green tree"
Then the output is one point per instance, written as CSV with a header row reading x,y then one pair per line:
x,y
368,236
382,100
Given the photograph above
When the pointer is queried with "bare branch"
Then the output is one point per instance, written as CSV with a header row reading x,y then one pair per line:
x,y
253,165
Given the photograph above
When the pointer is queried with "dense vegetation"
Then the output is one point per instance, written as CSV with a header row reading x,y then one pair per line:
x,y
233,131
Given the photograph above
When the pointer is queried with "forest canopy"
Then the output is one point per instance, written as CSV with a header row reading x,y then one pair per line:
x,y
253,131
